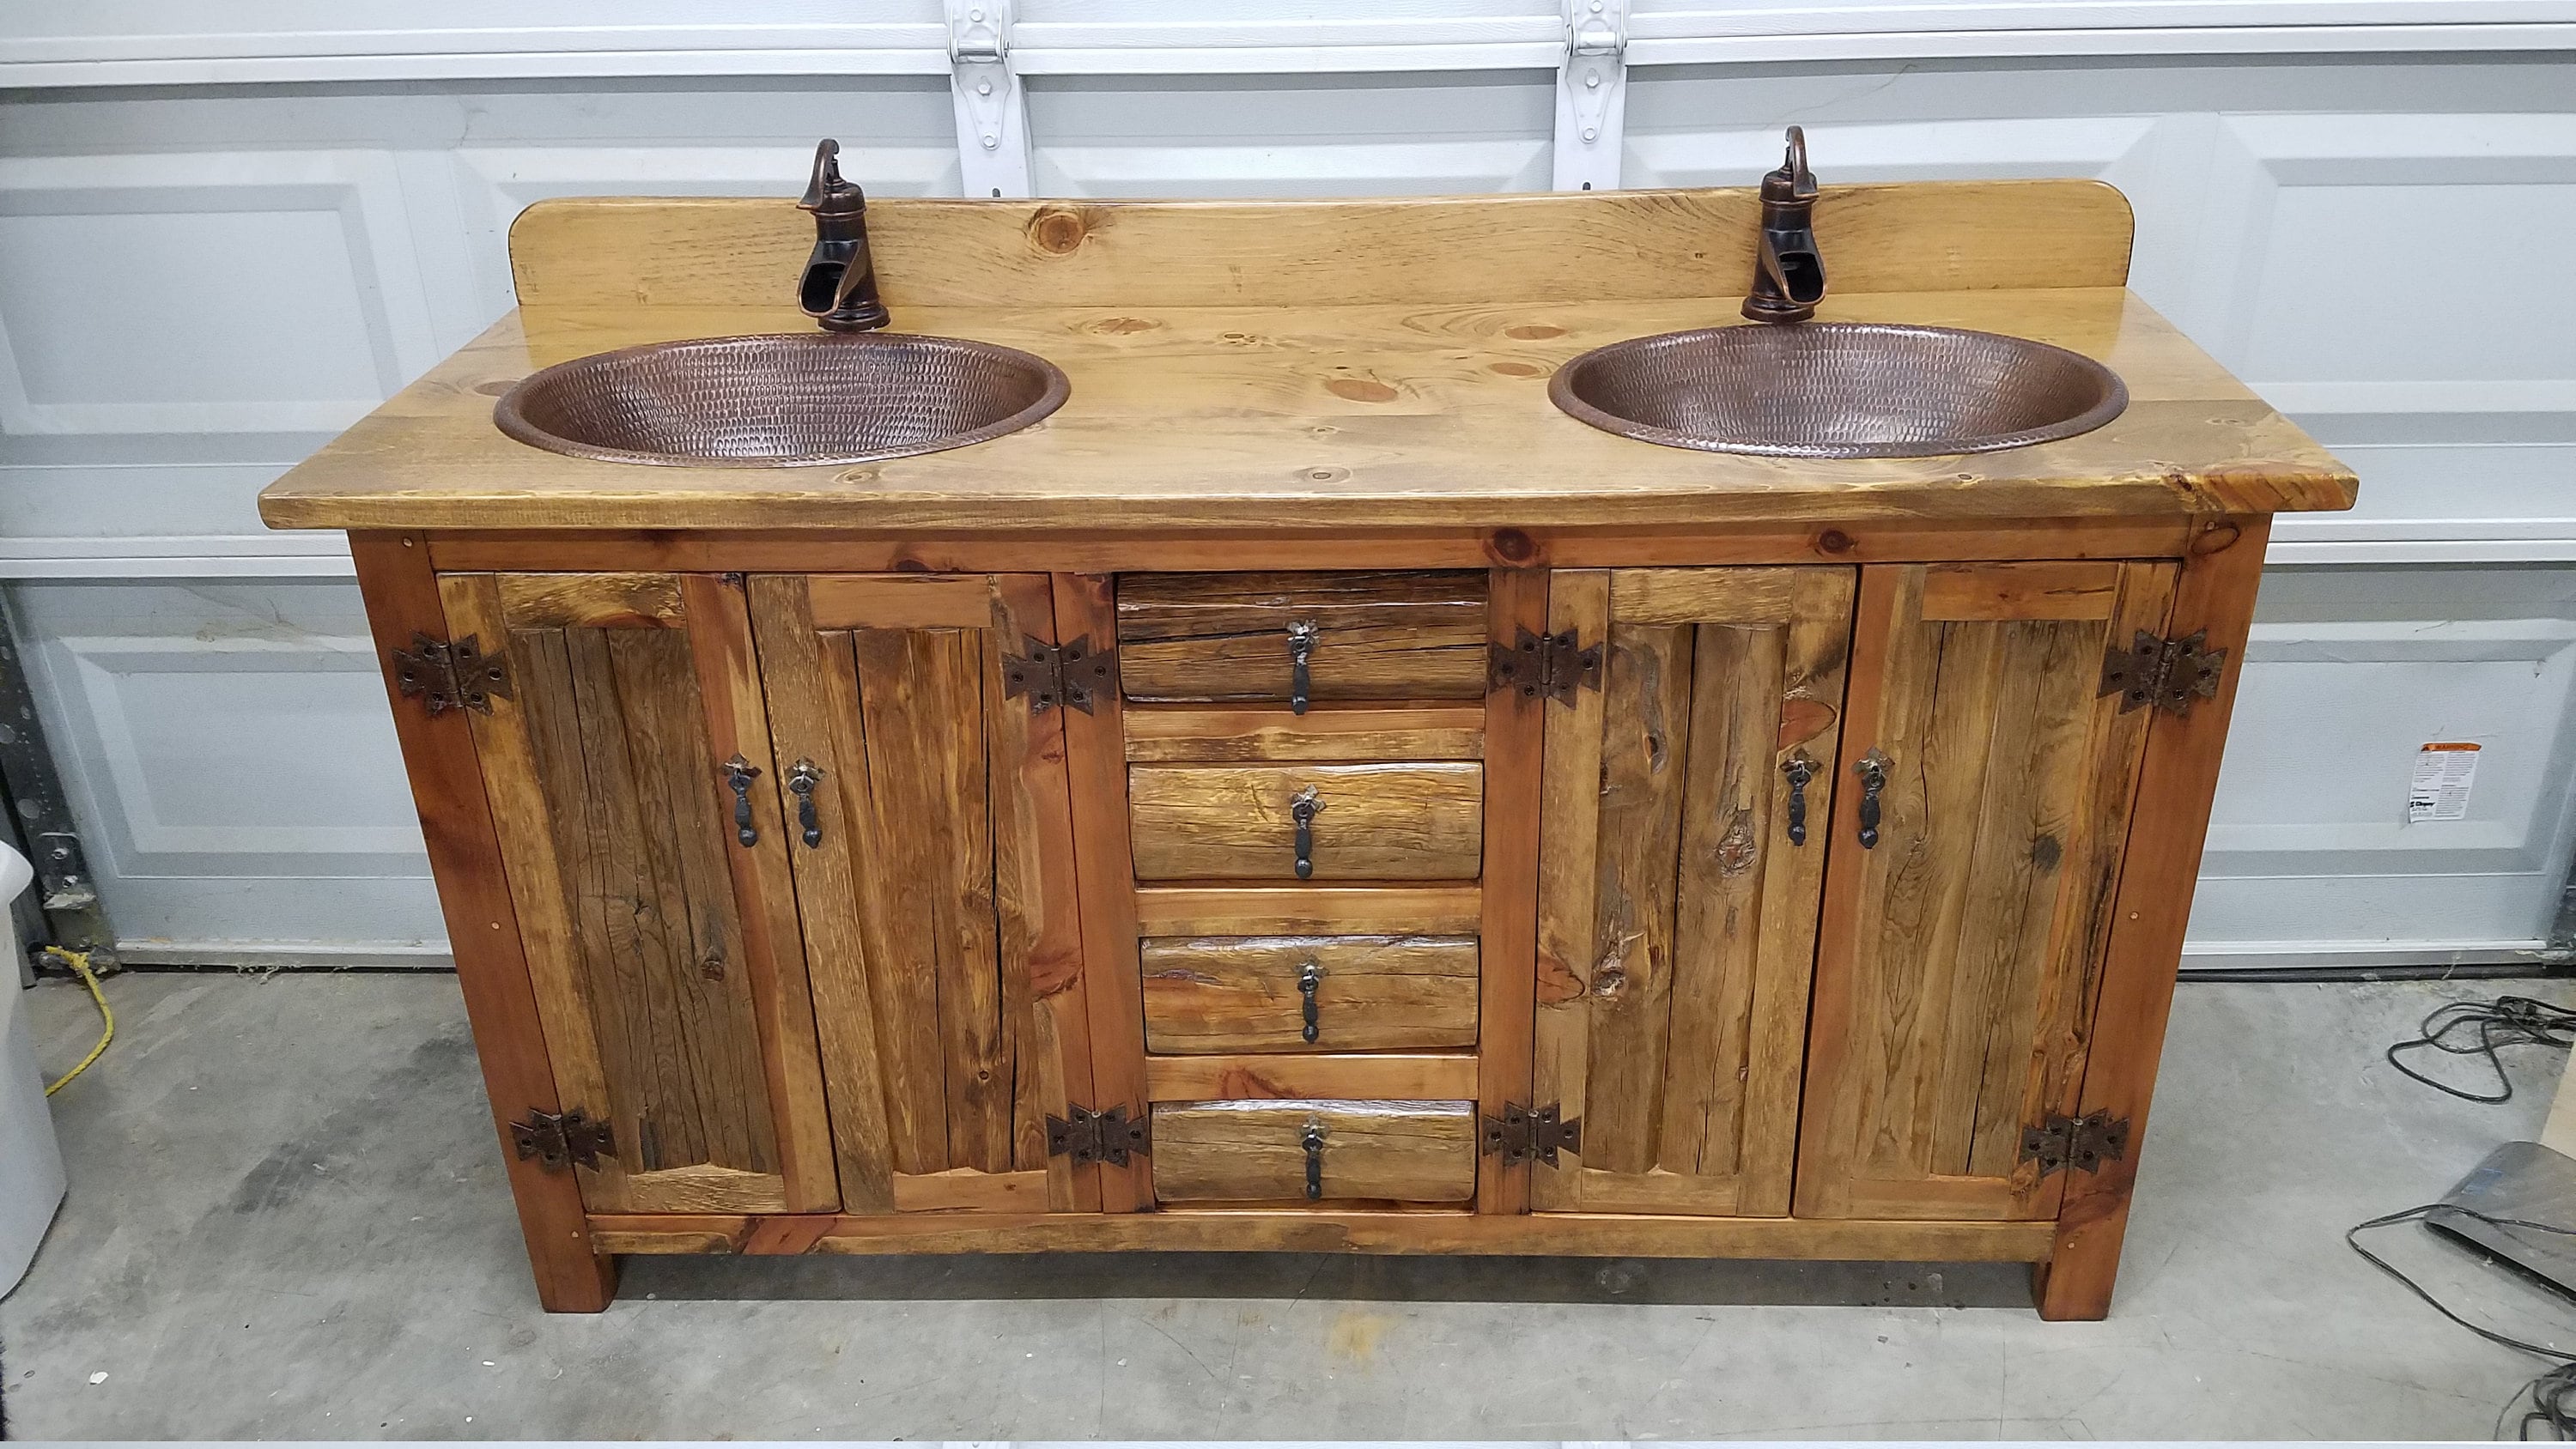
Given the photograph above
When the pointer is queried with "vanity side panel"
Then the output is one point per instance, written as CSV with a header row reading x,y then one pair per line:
x,y
2180,775
474,895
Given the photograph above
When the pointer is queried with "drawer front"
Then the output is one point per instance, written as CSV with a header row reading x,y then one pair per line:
x,y
1264,993
1259,1151
1370,635
1368,822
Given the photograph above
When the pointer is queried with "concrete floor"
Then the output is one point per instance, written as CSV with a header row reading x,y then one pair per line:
x,y
287,1220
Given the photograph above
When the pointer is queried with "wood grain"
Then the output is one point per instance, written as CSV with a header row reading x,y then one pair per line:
x,y
773,941
588,601
1374,993
2145,926
1677,917
574,1273
904,601
1379,635
1416,1076
1918,236
1515,740
1326,1228
966,1189
1951,1005
1167,733
1248,1151
1096,770
1095,550
1403,821
1307,910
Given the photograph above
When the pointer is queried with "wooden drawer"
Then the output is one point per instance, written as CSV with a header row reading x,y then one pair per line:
x,y
1420,821
1373,635
1258,1152
1248,993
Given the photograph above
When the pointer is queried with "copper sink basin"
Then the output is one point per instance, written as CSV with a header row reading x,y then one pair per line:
x,y
779,401
1838,390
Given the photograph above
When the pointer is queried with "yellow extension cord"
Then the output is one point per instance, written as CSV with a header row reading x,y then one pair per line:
x,y
79,962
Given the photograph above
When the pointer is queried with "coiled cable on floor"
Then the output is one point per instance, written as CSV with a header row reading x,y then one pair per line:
x,y
2505,1021
2551,1397
79,962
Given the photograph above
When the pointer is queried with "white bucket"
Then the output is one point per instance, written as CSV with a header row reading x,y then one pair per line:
x,y
31,1161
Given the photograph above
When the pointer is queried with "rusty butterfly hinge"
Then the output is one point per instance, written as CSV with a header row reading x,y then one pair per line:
x,y
2084,1142
1523,1133
1053,674
1104,1136
1554,665
2166,673
558,1140
445,676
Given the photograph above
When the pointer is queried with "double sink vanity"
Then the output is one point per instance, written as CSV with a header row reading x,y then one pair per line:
x,y
1426,725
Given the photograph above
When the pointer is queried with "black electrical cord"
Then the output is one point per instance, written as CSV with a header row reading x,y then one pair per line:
x,y
2505,1021
2552,1395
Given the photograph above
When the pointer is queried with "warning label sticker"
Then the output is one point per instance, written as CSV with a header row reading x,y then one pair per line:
x,y
2443,774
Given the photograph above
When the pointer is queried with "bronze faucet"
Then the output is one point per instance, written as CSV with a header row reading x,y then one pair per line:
x,y
839,289
1788,274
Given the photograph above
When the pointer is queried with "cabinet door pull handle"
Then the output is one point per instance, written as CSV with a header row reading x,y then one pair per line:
x,y
1872,770
1310,976
738,774
1802,773
1301,655
1302,809
1313,1142
801,780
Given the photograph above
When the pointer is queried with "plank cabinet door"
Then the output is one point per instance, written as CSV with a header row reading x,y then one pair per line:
x,y
933,853
654,898
1681,859
1958,964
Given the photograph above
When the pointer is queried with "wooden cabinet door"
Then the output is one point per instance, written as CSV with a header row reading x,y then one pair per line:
x,y
654,900
1677,905
1959,956
936,882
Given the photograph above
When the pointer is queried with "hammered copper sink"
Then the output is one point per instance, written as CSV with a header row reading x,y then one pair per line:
x,y
1839,390
780,401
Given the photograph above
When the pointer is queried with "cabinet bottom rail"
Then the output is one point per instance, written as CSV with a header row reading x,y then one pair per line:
x,y
1255,1230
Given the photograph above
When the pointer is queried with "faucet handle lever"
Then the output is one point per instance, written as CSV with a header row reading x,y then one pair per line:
x,y
827,189
1793,166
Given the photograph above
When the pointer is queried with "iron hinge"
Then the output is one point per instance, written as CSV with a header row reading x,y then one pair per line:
x,y
1522,1133
444,676
2167,673
2084,1142
558,1140
1104,1136
1054,674
1554,665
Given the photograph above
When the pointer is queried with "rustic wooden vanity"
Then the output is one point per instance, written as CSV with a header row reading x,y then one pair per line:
x,y
1308,792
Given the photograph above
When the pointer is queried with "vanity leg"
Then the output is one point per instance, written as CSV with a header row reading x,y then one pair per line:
x,y
482,928
2177,784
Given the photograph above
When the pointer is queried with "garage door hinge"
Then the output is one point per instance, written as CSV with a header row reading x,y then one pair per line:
x,y
558,1140
1054,674
1522,1133
2167,673
2084,1142
1550,664
1107,1136
444,676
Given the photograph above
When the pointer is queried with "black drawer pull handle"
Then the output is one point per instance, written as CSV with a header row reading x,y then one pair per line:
x,y
1802,773
1872,770
801,780
738,775
1301,654
1303,809
1313,1142
1310,976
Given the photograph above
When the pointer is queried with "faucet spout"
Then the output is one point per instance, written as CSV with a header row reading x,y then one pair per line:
x,y
839,285
1788,270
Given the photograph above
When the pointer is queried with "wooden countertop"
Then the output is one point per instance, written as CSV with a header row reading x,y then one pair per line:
x,y
1215,398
